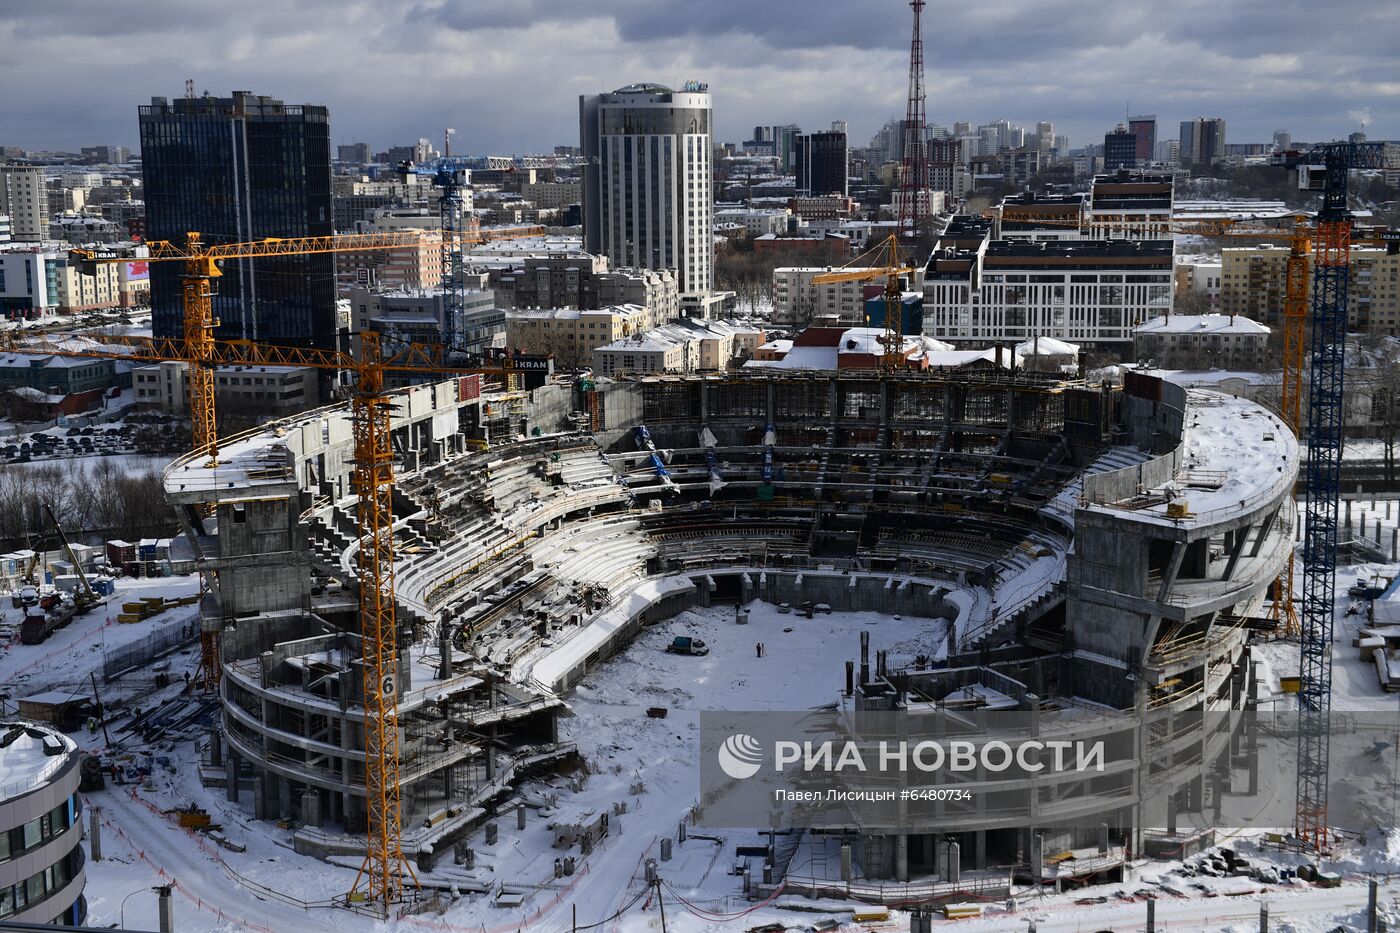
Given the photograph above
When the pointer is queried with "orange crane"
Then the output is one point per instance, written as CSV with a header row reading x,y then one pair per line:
x,y
201,262
1297,294
381,878
892,341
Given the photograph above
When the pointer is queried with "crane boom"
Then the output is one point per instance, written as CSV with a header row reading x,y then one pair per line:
x,y
68,549
201,261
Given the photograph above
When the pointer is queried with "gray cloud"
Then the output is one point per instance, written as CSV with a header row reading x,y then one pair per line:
x,y
507,73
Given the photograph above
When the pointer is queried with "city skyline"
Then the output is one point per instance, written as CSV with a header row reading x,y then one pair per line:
x,y
478,67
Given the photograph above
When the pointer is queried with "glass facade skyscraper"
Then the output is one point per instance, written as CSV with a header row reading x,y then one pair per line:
x,y
235,169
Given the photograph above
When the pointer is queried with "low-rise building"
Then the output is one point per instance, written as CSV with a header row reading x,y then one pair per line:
x,y
757,221
681,346
798,301
67,384
1200,275
416,265
1202,341
271,390
419,315
571,334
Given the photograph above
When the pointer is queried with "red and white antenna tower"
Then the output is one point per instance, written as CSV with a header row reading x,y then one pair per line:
x,y
914,179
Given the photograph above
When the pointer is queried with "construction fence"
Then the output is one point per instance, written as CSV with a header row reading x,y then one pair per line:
x,y
129,657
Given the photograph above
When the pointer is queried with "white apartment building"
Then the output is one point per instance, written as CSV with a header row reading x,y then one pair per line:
x,y
682,346
758,222
257,389
798,300
1082,291
1202,341
1202,275
28,281
647,198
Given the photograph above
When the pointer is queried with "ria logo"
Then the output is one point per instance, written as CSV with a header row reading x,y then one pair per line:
x,y
740,756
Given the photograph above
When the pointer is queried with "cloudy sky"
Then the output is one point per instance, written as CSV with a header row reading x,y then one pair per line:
x,y
507,73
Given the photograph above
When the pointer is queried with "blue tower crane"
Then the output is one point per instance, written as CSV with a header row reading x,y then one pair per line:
x,y
453,176
1324,168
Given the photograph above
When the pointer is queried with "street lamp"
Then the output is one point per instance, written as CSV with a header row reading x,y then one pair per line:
x,y
121,913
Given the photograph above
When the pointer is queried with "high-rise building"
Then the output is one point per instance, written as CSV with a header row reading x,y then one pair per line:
x,y
353,152
784,139
1144,128
647,200
821,162
1045,136
106,155
1061,146
1283,140
235,169
25,198
1119,149
1202,140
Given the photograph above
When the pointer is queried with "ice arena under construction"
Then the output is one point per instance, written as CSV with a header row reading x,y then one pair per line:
x,y
1094,547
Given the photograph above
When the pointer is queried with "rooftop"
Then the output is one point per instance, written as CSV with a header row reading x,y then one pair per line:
x,y
31,755
1201,324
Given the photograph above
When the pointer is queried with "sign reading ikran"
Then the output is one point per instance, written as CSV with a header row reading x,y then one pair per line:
x,y
942,771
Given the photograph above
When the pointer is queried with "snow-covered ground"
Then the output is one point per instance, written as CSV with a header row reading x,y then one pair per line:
x,y
650,765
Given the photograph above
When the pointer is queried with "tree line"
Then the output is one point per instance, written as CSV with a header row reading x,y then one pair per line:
x,y
89,496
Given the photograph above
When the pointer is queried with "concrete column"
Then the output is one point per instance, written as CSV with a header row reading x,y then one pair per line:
x,y
926,851
231,768
1037,858
901,857
1151,917
1103,838
980,850
1372,919
216,749
95,833
167,910
846,872
1171,812
954,867
311,808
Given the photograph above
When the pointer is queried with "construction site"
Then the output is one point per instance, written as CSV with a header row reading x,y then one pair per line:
x,y
455,635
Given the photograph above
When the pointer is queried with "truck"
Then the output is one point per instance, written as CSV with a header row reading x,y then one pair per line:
x,y
684,644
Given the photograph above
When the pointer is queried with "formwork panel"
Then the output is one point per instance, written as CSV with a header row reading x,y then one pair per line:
x,y
670,401
739,400
802,400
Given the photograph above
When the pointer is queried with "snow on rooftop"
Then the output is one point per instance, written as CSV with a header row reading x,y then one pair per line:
x,y
24,765
1046,346
1201,324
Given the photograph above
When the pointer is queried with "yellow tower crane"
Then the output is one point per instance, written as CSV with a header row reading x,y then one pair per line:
x,y
382,877
892,340
201,261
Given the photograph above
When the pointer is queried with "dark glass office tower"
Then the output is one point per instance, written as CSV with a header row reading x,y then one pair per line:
x,y
236,169
822,161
